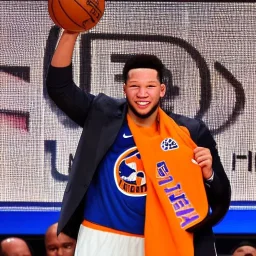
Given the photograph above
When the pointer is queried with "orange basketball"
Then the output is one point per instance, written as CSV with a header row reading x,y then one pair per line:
x,y
76,15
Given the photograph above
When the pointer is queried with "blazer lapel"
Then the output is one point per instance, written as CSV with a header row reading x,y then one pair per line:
x,y
109,131
103,127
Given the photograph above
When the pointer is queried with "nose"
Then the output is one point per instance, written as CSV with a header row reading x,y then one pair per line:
x,y
142,92
60,252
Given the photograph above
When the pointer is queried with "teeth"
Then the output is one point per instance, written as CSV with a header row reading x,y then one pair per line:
x,y
143,103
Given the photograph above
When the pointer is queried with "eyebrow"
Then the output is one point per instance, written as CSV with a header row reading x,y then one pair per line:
x,y
151,81
50,245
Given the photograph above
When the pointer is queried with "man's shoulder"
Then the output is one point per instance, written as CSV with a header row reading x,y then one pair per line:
x,y
195,126
102,98
199,132
189,122
108,104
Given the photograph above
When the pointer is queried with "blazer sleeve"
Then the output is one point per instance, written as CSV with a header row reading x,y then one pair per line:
x,y
218,190
61,88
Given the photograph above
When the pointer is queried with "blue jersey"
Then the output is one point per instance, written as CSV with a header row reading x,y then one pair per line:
x,y
117,195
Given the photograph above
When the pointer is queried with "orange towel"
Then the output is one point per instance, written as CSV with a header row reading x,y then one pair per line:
x,y
176,197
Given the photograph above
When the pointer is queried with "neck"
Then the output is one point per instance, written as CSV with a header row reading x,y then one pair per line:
x,y
144,122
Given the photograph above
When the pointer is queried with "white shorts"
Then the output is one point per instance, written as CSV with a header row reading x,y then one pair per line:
x,y
95,242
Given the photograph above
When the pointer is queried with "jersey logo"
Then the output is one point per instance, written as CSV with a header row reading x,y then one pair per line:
x,y
129,173
169,144
127,136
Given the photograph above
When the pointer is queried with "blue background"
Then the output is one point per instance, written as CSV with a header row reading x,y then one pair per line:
x,y
36,222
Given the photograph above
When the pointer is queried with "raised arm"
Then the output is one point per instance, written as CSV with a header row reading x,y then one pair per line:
x,y
60,85
63,54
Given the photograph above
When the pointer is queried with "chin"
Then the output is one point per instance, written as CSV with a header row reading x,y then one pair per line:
x,y
143,114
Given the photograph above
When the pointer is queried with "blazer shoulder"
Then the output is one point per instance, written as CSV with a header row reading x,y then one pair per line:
x,y
193,125
109,105
199,132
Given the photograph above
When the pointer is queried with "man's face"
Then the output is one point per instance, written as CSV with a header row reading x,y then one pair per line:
x,y
143,91
62,245
245,251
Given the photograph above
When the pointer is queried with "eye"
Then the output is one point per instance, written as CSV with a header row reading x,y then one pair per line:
x,y
133,86
67,246
52,249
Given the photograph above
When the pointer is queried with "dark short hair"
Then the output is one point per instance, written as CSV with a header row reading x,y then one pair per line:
x,y
144,61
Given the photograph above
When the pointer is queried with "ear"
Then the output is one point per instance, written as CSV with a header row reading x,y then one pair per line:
x,y
124,88
162,90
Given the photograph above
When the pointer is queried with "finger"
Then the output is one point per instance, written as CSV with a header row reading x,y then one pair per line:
x,y
200,150
205,163
197,149
204,155
203,158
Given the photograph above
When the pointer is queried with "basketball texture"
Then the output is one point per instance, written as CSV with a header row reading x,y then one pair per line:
x,y
76,15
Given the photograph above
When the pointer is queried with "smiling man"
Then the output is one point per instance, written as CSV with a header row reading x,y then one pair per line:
x,y
142,182
143,91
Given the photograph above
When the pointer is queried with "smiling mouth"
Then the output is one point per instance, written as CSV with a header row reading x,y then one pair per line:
x,y
142,103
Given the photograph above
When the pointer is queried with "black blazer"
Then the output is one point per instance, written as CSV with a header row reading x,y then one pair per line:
x,y
101,118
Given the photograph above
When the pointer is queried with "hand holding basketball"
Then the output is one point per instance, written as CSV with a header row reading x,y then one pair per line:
x,y
76,15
